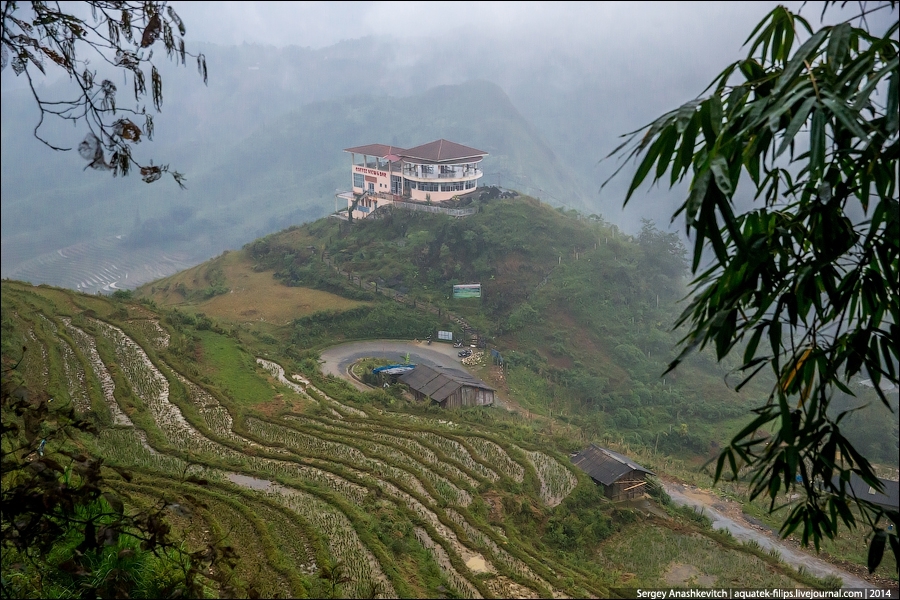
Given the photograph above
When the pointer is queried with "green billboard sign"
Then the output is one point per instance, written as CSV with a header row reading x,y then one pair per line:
x,y
469,290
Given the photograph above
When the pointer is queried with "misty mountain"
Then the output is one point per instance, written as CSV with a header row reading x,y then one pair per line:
x,y
261,145
284,172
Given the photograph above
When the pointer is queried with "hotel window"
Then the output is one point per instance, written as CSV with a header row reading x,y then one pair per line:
x,y
359,180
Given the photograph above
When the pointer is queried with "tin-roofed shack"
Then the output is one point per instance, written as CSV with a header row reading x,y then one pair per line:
x,y
620,477
450,388
857,488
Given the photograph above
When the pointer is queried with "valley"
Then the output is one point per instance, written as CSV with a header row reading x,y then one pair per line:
x,y
102,265
385,301
346,478
222,391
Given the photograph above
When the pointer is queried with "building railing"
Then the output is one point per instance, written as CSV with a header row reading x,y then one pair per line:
x,y
453,212
470,174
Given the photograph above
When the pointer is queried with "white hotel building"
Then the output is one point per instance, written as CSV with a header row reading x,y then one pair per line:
x,y
433,172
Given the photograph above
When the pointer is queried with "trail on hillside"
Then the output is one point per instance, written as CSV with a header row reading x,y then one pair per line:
x,y
337,359
710,505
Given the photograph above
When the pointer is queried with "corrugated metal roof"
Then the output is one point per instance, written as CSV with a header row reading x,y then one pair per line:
x,y
862,490
465,378
440,382
441,393
604,465
437,383
417,377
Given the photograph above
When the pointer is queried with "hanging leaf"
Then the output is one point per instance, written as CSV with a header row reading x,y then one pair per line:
x,y
806,289
876,550
152,31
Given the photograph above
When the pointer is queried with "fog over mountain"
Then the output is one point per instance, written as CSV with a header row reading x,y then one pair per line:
x,y
546,89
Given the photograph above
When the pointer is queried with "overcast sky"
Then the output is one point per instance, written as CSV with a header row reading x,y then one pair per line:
x,y
320,24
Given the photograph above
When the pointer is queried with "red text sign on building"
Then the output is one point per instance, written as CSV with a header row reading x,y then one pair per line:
x,y
370,171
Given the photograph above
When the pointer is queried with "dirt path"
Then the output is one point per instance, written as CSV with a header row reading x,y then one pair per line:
x,y
717,509
337,359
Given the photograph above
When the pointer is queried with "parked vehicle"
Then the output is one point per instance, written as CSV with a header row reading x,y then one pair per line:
x,y
457,344
464,353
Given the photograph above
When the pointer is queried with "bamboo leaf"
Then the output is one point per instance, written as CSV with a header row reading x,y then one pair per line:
x,y
846,118
893,103
686,152
646,164
838,45
876,550
698,192
797,121
719,167
798,61
817,143
670,138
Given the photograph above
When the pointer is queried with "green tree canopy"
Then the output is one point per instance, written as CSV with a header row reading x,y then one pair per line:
x,y
804,282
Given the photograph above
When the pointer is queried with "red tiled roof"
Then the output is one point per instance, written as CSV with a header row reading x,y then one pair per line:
x,y
441,151
378,150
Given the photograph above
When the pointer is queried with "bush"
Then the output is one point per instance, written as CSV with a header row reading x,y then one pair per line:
x,y
580,522
385,320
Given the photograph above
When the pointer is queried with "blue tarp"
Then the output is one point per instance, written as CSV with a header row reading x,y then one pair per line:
x,y
394,369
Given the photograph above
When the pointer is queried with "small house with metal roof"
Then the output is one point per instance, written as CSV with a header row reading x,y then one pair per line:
x,y
621,477
857,488
451,388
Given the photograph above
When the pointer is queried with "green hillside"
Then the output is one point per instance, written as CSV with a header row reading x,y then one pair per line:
x,y
580,312
205,390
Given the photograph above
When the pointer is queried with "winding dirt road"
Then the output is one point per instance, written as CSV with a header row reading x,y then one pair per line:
x,y
337,359
685,495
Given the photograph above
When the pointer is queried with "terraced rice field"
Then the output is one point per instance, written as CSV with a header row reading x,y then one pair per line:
x,y
294,490
105,264
556,480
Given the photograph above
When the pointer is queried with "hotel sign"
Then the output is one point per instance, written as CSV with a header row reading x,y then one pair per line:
x,y
369,171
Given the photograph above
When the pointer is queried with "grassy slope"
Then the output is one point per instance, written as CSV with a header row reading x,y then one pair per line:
x,y
581,312
229,288
583,337
586,347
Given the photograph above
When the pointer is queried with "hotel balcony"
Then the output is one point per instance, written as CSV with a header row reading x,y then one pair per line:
x,y
455,175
